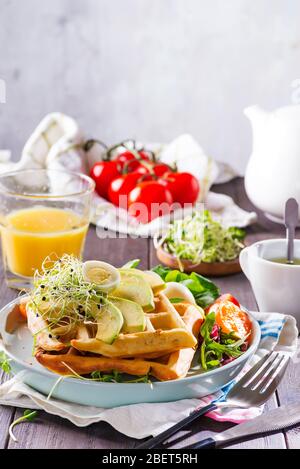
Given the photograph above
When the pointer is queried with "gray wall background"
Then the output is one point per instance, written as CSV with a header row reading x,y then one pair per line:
x,y
150,69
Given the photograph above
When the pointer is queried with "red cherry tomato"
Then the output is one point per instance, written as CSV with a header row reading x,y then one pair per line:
x,y
184,187
160,169
144,167
228,297
149,200
128,160
121,186
157,170
103,173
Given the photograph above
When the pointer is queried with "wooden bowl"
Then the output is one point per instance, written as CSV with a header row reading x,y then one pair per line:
x,y
212,269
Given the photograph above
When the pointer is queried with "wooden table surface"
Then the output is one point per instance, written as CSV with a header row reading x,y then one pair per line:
x,y
48,431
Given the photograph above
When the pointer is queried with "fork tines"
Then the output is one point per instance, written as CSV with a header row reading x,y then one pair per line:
x,y
264,376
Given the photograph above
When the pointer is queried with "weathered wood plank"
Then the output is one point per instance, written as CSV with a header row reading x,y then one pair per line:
x,y
49,431
207,427
6,417
289,392
6,413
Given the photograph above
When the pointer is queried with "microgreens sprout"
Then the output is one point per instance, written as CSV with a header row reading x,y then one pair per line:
x,y
28,415
63,297
200,238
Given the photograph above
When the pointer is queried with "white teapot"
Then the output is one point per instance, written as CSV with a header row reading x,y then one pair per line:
x,y
273,171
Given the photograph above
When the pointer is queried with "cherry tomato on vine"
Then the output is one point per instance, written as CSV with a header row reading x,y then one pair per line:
x,y
121,186
160,169
156,170
128,160
148,200
144,167
184,187
103,173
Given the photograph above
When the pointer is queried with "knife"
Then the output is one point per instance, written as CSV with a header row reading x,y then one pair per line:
x,y
271,421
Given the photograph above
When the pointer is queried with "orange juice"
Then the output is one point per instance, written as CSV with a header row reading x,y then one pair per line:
x,y
30,235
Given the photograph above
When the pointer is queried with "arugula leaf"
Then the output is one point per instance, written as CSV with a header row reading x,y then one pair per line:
x,y
131,264
4,363
204,290
116,377
211,352
207,326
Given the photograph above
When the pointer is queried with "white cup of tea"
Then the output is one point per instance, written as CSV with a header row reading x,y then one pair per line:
x,y
275,283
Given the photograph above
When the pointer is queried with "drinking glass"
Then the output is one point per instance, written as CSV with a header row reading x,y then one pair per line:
x,y
43,214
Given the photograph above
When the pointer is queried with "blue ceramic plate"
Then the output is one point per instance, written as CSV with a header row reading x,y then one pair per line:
x,y
18,345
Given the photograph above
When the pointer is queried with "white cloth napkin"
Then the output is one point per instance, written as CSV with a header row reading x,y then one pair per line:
x,y
57,141
279,332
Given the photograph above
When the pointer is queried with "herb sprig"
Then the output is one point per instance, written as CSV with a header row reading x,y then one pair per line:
x,y
28,415
4,363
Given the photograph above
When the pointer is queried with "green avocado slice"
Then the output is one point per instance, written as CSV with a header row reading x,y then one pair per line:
x,y
155,281
109,323
135,288
133,315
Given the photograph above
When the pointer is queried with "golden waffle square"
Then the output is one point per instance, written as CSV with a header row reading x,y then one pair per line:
x,y
163,352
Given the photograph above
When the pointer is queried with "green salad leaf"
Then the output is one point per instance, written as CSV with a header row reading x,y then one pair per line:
x,y
204,291
4,363
211,351
200,238
116,377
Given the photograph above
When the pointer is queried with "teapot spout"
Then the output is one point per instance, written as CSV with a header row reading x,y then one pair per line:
x,y
256,114
258,118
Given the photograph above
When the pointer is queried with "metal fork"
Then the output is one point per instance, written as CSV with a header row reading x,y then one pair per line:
x,y
253,389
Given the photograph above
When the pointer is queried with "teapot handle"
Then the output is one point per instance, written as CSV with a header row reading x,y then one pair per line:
x,y
244,263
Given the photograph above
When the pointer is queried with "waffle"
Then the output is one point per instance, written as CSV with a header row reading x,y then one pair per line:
x,y
164,350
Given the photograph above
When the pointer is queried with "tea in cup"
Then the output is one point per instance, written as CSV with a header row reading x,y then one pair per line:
x,y
275,281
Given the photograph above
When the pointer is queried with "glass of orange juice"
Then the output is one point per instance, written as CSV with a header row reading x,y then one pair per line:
x,y
43,215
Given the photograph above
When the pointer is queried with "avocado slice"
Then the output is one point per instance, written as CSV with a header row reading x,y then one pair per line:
x,y
155,281
133,315
110,321
135,288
